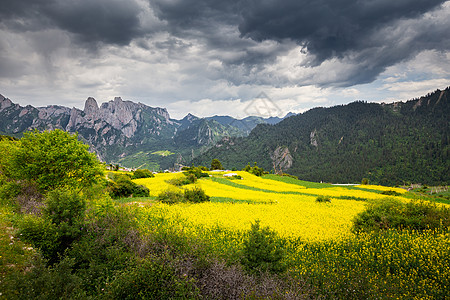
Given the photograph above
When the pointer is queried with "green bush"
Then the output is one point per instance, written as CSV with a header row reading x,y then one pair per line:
x,y
41,233
142,173
322,198
263,251
59,226
171,197
196,171
255,170
216,164
289,175
52,159
185,180
190,176
394,214
65,207
153,278
42,282
195,195
390,193
9,190
121,186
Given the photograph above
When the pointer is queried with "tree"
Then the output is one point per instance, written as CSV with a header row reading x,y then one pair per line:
x,y
216,164
53,159
263,251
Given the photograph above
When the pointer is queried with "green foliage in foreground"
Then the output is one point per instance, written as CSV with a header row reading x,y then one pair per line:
x,y
130,252
52,159
394,214
263,251
60,225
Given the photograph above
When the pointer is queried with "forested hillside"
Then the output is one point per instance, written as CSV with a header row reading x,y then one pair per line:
x,y
387,143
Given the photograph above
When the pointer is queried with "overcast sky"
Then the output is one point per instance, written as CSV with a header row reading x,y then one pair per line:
x,y
212,57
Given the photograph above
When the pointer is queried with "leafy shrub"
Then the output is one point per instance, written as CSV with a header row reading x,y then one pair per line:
x,y
190,176
263,251
255,170
122,186
196,171
195,195
391,193
216,164
142,173
41,233
365,181
41,282
9,190
65,207
322,198
154,278
235,177
185,180
60,225
171,197
289,175
392,213
52,159
106,247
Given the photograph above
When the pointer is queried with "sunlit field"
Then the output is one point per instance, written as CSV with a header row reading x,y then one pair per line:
x,y
320,243
289,209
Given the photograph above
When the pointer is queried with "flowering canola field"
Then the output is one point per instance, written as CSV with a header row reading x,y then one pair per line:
x,y
289,209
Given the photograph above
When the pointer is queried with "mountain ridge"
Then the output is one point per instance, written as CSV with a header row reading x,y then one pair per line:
x,y
390,144
119,128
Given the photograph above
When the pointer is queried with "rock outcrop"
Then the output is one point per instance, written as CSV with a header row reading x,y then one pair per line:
x,y
282,159
117,122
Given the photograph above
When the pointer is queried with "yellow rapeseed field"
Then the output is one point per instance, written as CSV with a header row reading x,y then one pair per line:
x,y
289,209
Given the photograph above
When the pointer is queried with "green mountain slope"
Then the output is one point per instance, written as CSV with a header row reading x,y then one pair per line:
x,y
387,143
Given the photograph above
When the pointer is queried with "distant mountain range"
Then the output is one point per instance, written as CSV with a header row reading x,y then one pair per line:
x,y
398,143
132,134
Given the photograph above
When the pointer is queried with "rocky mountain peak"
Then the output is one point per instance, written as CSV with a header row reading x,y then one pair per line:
x,y
90,107
4,103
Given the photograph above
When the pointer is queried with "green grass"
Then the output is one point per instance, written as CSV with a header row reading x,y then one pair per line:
x,y
163,153
14,254
231,200
307,184
141,160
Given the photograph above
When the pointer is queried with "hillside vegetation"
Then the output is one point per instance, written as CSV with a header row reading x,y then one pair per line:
x,y
201,235
390,144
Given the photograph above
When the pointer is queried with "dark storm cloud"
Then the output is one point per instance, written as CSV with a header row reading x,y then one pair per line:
x,y
328,28
91,21
246,36
348,30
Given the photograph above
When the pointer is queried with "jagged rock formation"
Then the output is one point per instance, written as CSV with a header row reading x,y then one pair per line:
x,y
118,128
116,123
282,159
